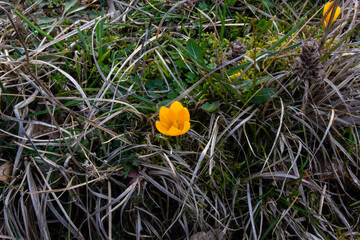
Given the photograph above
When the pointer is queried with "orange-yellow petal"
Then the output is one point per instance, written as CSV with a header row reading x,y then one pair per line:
x,y
186,127
173,131
183,116
328,16
167,117
176,107
161,127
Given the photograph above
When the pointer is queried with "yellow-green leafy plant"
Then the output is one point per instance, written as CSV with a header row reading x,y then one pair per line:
x,y
261,45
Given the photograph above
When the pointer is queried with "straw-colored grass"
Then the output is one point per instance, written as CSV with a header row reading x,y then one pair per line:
x,y
274,100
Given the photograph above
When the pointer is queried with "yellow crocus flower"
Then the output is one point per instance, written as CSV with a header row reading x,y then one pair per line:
x,y
174,121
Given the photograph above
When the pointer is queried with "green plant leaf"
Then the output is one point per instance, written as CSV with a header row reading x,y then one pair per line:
x,y
194,49
68,5
210,107
248,83
263,95
163,103
262,25
45,21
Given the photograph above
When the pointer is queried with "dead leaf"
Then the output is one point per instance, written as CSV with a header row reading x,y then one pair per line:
x,y
5,171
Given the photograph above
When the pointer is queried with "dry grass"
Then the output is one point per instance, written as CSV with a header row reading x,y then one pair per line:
x,y
79,97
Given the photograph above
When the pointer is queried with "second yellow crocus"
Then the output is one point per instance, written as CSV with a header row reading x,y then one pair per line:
x,y
328,15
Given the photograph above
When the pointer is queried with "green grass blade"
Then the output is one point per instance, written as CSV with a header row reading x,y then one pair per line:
x,y
38,29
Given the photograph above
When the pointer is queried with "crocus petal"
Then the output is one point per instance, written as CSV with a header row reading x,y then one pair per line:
x,y
161,127
176,107
336,14
186,127
183,116
173,131
166,116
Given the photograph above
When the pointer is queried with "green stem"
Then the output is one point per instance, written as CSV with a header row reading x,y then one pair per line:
x,y
177,145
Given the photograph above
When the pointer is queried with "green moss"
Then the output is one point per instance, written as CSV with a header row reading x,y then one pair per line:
x,y
260,45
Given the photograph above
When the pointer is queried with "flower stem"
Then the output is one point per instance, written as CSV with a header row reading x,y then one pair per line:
x,y
177,146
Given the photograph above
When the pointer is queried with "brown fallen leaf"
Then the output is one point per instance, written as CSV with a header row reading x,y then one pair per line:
x,y
5,171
